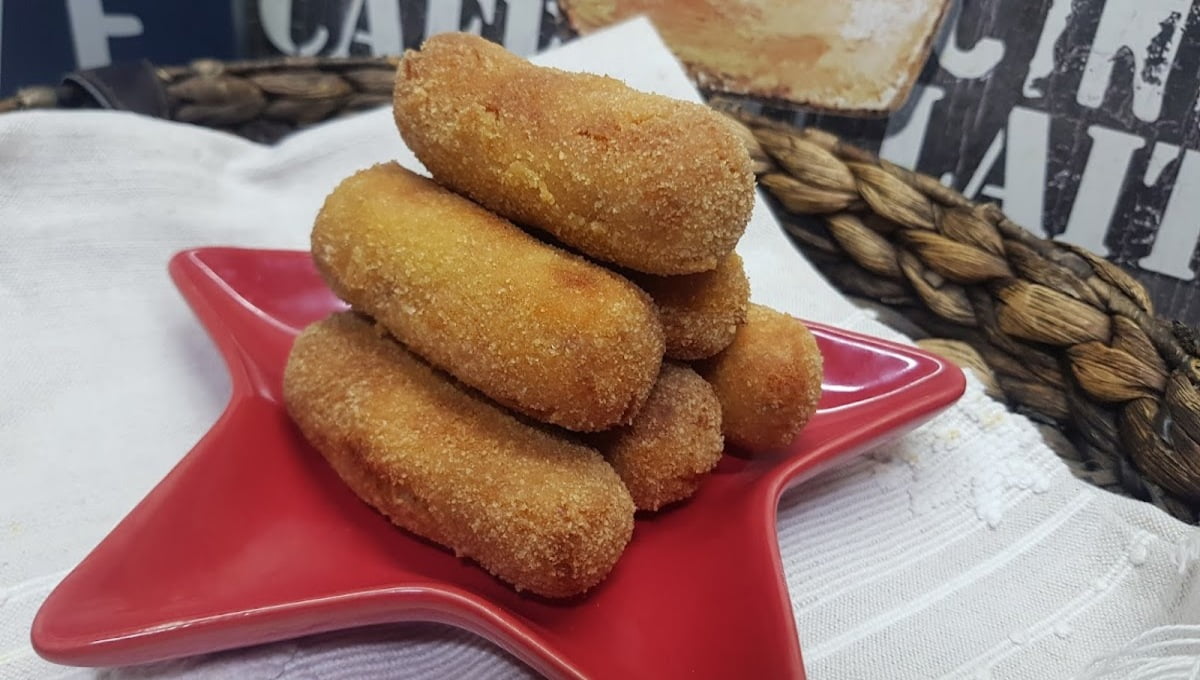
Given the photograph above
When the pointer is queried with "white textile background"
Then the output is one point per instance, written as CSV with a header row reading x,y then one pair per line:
x,y
963,550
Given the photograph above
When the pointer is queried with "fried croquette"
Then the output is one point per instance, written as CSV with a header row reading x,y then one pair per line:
x,y
542,331
639,180
543,513
699,312
768,380
674,441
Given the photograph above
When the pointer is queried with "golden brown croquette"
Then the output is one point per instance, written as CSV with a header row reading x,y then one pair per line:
x,y
673,443
699,312
542,331
768,380
639,180
538,511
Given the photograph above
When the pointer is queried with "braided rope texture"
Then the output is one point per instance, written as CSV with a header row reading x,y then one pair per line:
x,y
1067,337
262,100
1058,333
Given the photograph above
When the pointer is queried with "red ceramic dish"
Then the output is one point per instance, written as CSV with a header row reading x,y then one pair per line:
x,y
252,538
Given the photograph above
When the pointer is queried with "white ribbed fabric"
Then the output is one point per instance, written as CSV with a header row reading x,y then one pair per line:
x,y
963,550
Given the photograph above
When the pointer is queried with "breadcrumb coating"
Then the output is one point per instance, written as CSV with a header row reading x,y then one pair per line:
x,y
543,513
699,312
768,380
635,179
542,331
672,444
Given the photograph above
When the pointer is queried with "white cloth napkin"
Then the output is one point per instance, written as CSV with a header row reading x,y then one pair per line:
x,y
963,550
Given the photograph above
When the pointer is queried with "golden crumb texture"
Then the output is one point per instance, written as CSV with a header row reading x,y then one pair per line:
x,y
542,331
674,442
700,312
768,380
538,511
635,179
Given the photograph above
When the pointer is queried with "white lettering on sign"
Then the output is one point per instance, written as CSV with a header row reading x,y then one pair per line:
x,y
1179,231
522,25
276,18
91,28
383,28
1149,31
1024,143
445,16
1042,64
1160,158
1100,187
487,14
442,16
551,7
382,35
976,62
905,136
1023,194
990,156
522,21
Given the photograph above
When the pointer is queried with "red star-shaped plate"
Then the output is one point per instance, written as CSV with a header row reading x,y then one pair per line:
x,y
252,538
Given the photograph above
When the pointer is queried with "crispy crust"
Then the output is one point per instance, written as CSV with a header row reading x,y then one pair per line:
x,y
768,380
700,312
536,510
638,180
542,331
672,444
